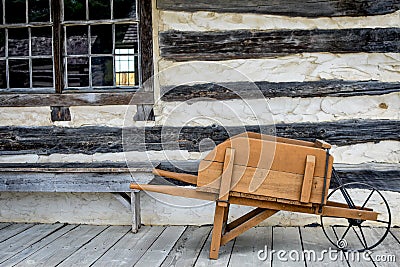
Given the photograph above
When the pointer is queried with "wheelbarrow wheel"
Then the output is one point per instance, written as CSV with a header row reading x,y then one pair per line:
x,y
353,234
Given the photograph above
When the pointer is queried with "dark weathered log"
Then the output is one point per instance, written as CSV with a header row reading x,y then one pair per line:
x,y
75,99
145,112
242,44
308,8
91,140
247,90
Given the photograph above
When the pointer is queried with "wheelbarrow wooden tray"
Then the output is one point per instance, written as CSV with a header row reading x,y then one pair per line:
x,y
266,172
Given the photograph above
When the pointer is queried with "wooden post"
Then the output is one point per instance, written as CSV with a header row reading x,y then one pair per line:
x,y
135,209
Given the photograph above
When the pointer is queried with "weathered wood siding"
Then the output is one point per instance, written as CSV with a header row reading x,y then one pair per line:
x,y
309,8
326,69
91,140
245,44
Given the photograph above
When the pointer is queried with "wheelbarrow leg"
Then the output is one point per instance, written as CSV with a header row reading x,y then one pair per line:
x,y
219,217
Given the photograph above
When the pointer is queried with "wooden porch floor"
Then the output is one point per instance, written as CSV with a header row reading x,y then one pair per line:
x,y
84,245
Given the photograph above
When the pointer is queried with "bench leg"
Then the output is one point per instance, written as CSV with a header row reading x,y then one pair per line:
x,y
219,216
135,209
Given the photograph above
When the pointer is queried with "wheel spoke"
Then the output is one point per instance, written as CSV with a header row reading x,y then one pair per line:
x,y
345,232
367,199
358,236
363,236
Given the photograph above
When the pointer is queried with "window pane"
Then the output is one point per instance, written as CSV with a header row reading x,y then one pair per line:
x,y
101,39
15,11
41,41
77,40
78,72
126,36
102,71
39,11
1,12
19,73
100,9
42,72
18,42
2,43
124,9
3,81
74,9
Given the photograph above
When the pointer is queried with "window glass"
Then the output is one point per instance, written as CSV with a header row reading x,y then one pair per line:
x,y
126,55
74,10
77,40
1,12
2,43
18,42
102,71
41,41
3,81
101,39
19,73
42,72
39,11
15,11
99,9
78,72
124,9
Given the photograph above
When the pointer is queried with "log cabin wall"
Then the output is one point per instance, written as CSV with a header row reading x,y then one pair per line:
x,y
328,70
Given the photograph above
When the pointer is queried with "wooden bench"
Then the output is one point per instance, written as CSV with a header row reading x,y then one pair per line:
x,y
79,178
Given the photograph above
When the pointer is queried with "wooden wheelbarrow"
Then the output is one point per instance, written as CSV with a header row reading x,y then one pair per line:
x,y
266,172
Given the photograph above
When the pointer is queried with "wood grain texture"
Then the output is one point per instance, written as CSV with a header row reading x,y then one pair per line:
x,y
75,99
145,112
247,90
308,8
246,44
380,175
98,139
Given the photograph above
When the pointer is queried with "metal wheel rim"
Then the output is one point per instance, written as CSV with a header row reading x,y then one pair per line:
x,y
369,187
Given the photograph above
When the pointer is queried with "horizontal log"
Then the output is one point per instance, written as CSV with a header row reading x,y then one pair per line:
x,y
105,177
98,139
247,90
78,167
75,99
245,44
308,8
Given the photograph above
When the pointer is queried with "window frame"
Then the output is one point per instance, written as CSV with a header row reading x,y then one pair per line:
x,y
112,95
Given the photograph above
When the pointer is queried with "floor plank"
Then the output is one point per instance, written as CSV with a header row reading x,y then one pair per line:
x,y
223,258
160,249
286,239
247,245
388,247
99,245
130,248
13,230
187,249
395,232
19,242
4,225
63,247
313,239
37,246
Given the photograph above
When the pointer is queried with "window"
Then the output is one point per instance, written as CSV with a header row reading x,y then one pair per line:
x,y
49,46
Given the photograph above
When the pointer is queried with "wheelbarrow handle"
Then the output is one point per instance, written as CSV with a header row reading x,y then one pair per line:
x,y
183,177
